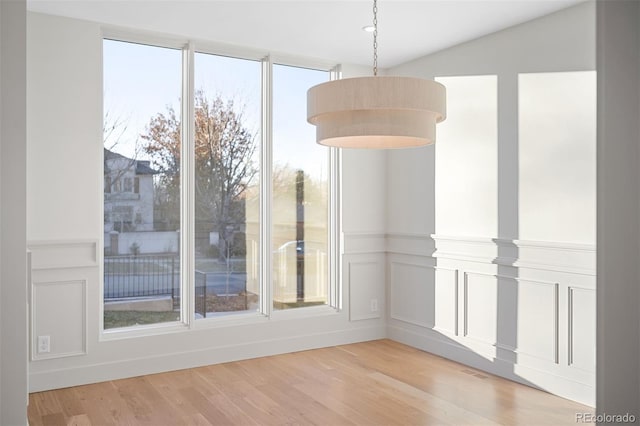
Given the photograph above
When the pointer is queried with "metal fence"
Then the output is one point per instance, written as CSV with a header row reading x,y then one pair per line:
x,y
150,275
201,293
141,276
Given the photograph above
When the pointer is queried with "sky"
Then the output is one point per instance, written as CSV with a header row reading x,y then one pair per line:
x,y
141,81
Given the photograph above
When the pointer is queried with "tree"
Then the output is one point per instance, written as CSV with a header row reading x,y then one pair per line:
x,y
224,164
162,143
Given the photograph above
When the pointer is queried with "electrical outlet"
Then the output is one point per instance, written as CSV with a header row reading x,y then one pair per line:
x,y
374,305
44,344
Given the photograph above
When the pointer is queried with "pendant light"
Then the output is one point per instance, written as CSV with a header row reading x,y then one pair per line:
x,y
377,111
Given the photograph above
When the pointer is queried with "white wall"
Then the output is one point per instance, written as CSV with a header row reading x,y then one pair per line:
x,y
65,129
64,231
618,372
13,296
492,229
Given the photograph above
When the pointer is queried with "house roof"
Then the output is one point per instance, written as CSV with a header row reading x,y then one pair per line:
x,y
143,167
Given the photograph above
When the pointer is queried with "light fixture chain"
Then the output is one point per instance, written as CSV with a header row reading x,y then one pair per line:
x,y
375,37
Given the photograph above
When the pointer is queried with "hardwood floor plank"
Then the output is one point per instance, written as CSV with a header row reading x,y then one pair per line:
x,y
443,411
71,405
80,420
47,403
371,383
204,406
103,405
55,419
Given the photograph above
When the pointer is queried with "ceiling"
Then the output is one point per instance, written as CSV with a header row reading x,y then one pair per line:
x,y
323,29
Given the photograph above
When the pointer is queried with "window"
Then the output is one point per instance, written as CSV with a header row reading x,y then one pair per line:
x,y
141,280
128,184
300,229
226,149
217,199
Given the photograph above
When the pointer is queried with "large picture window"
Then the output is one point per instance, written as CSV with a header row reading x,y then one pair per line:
x,y
217,200
300,194
141,268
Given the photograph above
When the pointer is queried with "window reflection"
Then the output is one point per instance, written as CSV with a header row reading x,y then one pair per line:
x,y
226,184
300,194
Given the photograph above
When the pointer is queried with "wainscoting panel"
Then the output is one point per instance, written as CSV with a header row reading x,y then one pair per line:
x,y
446,301
582,328
365,282
63,254
63,278
537,325
59,311
480,307
412,293
524,310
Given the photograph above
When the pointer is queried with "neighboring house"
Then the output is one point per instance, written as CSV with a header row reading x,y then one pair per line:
x,y
128,193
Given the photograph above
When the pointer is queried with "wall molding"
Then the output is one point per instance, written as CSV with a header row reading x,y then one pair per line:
x,y
363,243
58,254
410,244
550,256
572,258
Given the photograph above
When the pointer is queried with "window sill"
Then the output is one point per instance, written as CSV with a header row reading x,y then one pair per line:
x,y
307,312
142,331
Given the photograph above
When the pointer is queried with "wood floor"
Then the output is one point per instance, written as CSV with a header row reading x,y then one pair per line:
x,y
371,383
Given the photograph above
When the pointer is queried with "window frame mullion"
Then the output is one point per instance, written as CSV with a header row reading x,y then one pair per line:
x,y
335,218
187,194
266,190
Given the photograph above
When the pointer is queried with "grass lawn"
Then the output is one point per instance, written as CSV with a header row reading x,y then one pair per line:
x,y
115,319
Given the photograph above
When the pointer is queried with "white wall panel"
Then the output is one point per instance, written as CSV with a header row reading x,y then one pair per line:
x,y
411,293
410,191
466,158
63,254
366,280
480,307
363,199
537,319
64,145
557,146
58,310
582,328
446,300
532,323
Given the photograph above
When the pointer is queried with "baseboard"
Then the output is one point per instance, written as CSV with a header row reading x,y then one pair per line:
x,y
562,386
100,372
